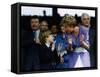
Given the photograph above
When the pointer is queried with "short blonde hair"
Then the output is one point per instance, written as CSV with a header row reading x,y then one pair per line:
x,y
43,36
68,20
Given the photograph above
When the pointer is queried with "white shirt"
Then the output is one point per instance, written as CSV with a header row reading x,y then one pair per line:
x,y
37,33
48,45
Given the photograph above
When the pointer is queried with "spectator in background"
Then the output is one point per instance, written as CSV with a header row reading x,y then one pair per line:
x,y
80,56
54,30
87,29
43,25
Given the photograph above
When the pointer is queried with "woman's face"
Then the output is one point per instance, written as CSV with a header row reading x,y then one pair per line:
x,y
50,39
69,29
76,29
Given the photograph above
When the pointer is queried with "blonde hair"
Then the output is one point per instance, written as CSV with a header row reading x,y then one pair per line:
x,y
43,36
68,20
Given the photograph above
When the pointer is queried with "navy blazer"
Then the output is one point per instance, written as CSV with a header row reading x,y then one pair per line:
x,y
92,50
47,55
29,52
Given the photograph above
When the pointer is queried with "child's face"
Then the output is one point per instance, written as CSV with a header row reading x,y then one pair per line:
x,y
76,29
50,39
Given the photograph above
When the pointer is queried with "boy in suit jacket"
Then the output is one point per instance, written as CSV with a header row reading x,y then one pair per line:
x,y
48,55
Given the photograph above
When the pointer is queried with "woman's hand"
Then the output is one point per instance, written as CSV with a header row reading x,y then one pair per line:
x,y
59,47
82,38
61,59
70,40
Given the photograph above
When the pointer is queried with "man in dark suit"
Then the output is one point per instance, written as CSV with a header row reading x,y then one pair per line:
x,y
93,50
29,45
89,31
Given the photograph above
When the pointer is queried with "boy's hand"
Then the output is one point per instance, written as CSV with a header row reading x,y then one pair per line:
x,y
53,46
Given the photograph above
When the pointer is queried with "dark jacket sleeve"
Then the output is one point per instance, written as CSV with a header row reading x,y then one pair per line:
x,y
27,39
56,58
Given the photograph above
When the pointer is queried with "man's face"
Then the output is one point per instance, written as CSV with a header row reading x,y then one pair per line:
x,y
44,26
54,29
86,20
34,23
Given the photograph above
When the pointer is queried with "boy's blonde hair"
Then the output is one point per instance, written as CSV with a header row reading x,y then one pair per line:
x,y
43,36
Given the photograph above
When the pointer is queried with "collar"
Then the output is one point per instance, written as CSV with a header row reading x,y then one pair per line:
x,y
47,44
86,28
